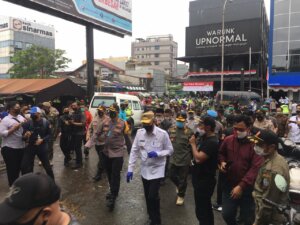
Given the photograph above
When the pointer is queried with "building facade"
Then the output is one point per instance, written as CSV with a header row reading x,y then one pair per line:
x,y
245,38
152,78
284,62
160,51
17,34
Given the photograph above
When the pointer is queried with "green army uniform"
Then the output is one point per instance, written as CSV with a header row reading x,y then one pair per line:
x,y
53,121
181,158
182,152
265,187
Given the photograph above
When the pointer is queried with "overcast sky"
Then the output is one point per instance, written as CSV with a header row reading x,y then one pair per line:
x,y
150,17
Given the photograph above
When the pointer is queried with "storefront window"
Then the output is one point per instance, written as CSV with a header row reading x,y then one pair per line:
x,y
281,7
295,7
281,20
286,36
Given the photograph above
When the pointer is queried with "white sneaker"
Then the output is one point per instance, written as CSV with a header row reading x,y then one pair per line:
x,y
179,201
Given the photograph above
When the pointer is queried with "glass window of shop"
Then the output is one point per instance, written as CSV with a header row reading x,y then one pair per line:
x,y
286,36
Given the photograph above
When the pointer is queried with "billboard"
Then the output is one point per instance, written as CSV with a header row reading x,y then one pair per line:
x,y
114,15
239,36
10,23
198,86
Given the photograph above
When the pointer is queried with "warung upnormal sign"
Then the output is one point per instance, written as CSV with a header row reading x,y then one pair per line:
x,y
237,37
214,38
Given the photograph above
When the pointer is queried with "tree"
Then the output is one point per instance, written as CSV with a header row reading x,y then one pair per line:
x,y
37,62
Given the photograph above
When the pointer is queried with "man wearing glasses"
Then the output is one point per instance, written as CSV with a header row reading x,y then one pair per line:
x,y
240,165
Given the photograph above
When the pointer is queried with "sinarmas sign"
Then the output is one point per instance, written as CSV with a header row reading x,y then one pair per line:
x,y
113,15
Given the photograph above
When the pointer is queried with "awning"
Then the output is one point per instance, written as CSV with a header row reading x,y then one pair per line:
x,y
284,88
219,73
135,88
41,89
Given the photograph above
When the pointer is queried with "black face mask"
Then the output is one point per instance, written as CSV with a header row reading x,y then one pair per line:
x,y
123,107
31,222
112,115
100,114
148,128
34,117
66,113
260,118
17,111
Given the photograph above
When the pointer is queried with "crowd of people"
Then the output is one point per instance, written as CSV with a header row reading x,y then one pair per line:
x,y
231,147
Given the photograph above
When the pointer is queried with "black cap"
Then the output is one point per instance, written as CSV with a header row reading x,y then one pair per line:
x,y
265,137
28,192
159,110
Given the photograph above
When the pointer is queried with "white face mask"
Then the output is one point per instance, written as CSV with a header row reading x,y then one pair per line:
x,y
201,132
259,151
27,116
241,135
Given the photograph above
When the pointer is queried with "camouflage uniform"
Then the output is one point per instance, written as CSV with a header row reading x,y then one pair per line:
x,y
181,158
265,188
52,117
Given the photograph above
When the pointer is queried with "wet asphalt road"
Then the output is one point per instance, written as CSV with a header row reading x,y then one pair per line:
x,y
86,199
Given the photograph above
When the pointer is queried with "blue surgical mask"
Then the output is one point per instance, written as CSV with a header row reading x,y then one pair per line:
x,y
180,124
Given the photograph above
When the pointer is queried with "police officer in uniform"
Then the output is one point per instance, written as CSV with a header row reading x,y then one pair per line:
x,y
272,182
153,145
192,121
181,159
114,130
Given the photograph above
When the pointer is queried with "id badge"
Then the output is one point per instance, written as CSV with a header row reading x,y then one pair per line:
x,y
109,133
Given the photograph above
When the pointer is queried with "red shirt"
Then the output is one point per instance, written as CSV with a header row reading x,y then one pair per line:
x,y
245,162
89,118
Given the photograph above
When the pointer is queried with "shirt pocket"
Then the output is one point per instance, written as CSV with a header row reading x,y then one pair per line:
x,y
143,151
156,145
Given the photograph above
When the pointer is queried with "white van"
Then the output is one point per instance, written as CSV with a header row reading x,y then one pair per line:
x,y
107,99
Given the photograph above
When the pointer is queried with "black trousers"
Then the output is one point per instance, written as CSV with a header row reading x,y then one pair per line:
x,y
221,177
50,149
178,175
28,160
113,167
13,159
100,164
151,191
76,141
203,191
65,146
128,143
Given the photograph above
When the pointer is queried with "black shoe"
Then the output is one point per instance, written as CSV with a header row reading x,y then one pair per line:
x,y
86,153
98,177
77,166
110,203
108,195
217,207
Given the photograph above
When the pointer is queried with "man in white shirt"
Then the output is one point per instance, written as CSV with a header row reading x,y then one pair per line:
x,y
12,147
153,145
293,129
